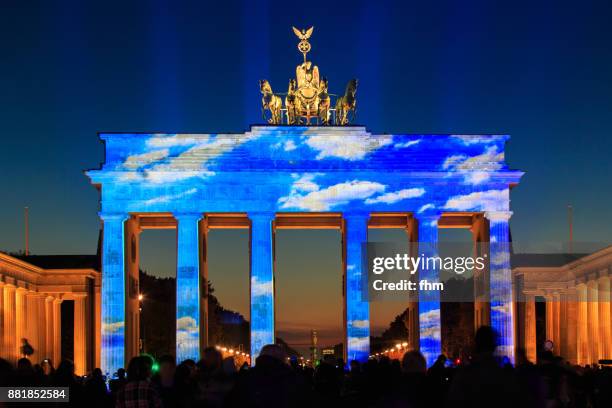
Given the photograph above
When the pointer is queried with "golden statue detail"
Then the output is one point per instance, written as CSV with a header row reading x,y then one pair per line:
x,y
270,102
307,96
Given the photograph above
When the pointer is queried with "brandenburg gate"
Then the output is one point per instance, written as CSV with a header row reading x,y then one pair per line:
x,y
293,173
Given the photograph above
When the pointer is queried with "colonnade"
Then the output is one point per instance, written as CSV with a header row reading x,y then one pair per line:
x,y
35,317
31,308
120,265
577,309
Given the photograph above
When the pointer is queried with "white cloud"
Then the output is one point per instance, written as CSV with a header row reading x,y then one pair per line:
x,y
475,169
350,147
477,139
429,323
425,208
201,149
338,194
395,196
289,146
170,197
360,324
490,200
501,259
407,144
136,161
159,177
259,288
112,327
177,140
187,324
304,182
358,343
451,161
502,309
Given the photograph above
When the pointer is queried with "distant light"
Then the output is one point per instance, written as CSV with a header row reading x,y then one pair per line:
x,y
398,346
404,344
140,297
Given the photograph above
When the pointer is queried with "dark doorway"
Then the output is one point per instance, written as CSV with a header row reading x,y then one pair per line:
x,y
67,311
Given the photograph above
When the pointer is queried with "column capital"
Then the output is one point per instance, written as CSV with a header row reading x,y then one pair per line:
x,y
188,215
429,218
355,214
498,216
428,215
261,215
113,216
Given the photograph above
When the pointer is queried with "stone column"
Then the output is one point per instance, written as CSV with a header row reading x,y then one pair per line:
x,y
10,323
593,321
502,315
42,327
550,314
557,323
49,328
357,305
569,327
132,274
97,324
31,324
605,337
530,344
113,294
2,345
412,318
482,306
582,323
187,287
80,334
203,283
430,325
57,331
262,282
21,313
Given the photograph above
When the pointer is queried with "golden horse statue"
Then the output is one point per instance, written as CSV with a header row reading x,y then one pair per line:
x,y
270,102
347,103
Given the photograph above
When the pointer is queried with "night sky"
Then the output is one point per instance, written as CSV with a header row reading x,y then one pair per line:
x,y
539,71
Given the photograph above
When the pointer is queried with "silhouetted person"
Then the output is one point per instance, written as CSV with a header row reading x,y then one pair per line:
x,y
164,380
25,375
484,383
271,383
116,384
327,384
7,374
213,384
64,377
26,348
139,391
95,389
184,385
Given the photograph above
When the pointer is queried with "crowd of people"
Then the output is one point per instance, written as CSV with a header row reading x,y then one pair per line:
x,y
275,381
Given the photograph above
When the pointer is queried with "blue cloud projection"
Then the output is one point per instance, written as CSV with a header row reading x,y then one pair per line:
x,y
288,169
